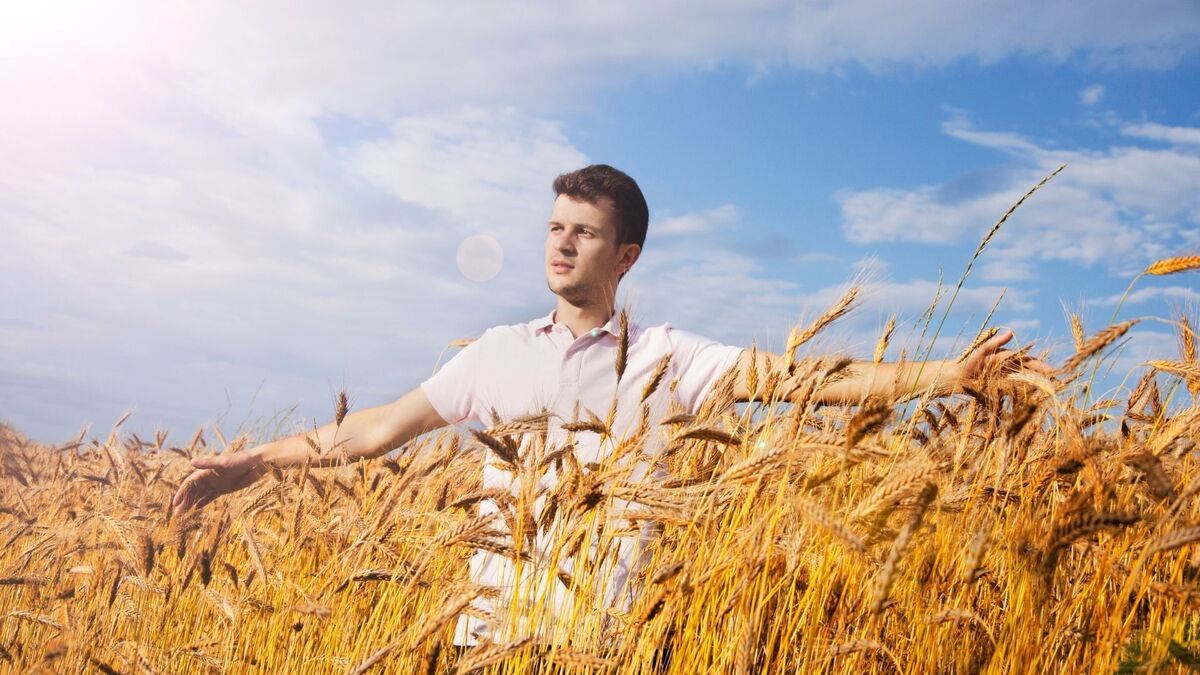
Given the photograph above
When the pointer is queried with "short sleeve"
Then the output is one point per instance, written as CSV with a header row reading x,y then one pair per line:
x,y
699,363
453,390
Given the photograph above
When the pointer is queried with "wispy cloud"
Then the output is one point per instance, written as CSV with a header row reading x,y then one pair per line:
x,y
935,32
1120,207
695,223
1161,132
1091,95
700,283
1126,361
1177,294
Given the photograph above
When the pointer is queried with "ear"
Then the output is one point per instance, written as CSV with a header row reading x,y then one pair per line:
x,y
629,255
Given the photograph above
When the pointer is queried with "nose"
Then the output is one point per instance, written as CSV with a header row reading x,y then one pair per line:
x,y
563,243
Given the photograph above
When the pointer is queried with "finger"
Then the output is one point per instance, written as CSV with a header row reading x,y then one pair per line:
x,y
183,501
208,462
1034,364
187,494
1003,358
196,499
997,340
189,483
1040,367
181,493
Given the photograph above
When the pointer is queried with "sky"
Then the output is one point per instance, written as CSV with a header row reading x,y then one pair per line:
x,y
222,213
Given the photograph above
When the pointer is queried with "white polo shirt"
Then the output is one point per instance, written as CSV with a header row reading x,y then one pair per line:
x,y
530,367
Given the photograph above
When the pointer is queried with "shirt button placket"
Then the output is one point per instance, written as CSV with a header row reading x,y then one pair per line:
x,y
572,362
568,373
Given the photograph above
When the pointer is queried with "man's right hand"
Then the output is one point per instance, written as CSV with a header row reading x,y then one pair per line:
x,y
215,476
365,433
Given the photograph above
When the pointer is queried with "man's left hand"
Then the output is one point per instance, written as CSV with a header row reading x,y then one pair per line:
x,y
989,357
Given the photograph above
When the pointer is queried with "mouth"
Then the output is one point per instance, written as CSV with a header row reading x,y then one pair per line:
x,y
561,267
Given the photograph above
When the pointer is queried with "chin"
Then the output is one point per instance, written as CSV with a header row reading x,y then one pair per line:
x,y
567,291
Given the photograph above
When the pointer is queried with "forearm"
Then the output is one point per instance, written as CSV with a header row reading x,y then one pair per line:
x,y
854,382
895,382
356,438
370,432
366,433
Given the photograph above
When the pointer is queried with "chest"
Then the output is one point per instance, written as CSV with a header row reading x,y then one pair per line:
x,y
557,372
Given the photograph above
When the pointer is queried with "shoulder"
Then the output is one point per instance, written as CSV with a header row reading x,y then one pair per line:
x,y
682,339
686,345
502,336
511,331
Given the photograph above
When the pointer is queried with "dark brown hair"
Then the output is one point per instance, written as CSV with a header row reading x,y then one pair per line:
x,y
593,183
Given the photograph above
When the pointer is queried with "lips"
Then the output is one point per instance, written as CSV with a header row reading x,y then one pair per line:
x,y
560,266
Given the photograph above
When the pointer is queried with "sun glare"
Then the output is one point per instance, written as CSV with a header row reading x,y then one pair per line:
x,y
40,23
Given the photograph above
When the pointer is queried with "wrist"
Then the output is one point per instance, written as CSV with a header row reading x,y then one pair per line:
x,y
950,379
267,455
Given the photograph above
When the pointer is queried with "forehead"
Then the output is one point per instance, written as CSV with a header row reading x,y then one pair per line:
x,y
570,211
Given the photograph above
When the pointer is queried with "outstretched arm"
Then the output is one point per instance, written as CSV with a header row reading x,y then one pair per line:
x,y
889,381
365,433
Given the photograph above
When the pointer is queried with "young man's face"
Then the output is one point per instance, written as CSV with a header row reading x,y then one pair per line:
x,y
583,260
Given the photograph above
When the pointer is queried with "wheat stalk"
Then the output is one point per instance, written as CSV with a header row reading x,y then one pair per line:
x,y
884,337
1174,265
1077,333
796,338
1096,343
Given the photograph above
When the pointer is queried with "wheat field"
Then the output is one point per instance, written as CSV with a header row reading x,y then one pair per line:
x,y
1019,527
1028,524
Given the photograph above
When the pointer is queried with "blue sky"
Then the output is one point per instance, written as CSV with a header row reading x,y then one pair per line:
x,y
214,214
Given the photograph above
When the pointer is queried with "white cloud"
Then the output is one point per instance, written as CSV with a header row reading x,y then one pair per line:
x,y
699,283
485,170
1006,270
915,296
815,257
1120,207
1125,363
202,200
1176,294
264,263
385,58
1091,95
729,297
1021,325
909,301
1161,132
936,32
886,214
694,223
959,126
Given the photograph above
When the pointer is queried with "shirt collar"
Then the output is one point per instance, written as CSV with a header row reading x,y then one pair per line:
x,y
545,323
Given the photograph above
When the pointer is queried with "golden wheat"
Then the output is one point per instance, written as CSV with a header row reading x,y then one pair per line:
x,y
1174,265
840,543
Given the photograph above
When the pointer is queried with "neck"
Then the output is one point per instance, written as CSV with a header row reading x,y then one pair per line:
x,y
580,319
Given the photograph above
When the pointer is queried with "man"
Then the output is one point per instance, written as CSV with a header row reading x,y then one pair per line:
x,y
565,363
